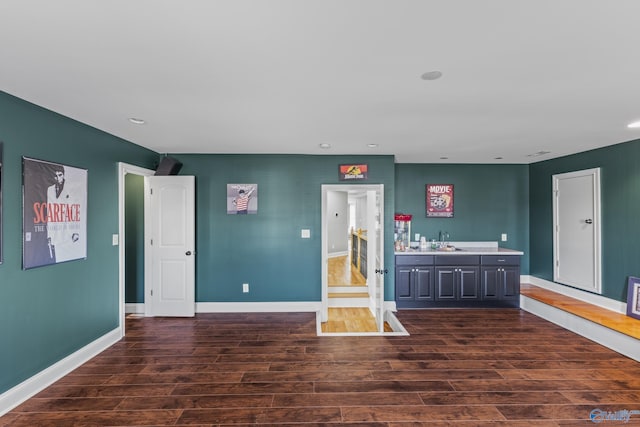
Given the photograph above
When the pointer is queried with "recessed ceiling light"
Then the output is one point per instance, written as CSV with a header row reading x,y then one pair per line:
x,y
136,121
325,146
634,125
372,145
431,75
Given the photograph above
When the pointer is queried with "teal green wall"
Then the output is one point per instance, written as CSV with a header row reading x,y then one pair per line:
x,y
488,200
620,197
134,241
265,250
50,312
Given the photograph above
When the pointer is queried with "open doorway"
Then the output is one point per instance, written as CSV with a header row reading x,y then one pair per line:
x,y
353,230
130,189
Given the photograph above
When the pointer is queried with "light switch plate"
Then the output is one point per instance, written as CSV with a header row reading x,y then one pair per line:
x,y
504,237
305,233
114,240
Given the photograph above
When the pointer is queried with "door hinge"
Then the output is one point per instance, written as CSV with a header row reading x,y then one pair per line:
x,y
151,242
151,191
151,292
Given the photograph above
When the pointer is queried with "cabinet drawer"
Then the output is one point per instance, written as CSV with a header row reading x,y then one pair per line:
x,y
457,259
414,259
500,260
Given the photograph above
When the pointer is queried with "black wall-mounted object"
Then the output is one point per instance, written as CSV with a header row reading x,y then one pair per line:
x,y
168,166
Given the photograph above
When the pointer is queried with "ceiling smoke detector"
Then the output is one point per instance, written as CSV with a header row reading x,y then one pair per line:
x,y
539,153
431,75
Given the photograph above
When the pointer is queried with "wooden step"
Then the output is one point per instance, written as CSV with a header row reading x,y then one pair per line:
x,y
602,316
348,295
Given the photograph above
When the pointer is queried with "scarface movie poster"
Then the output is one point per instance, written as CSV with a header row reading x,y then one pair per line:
x,y
54,205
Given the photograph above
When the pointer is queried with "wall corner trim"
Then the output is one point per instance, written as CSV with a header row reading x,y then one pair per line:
x,y
26,389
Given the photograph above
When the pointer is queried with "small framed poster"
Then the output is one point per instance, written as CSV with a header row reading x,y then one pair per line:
x,y
439,200
242,199
353,172
633,297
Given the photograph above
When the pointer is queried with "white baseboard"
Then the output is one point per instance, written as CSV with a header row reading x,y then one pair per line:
x,y
589,297
258,307
131,308
623,344
337,254
23,391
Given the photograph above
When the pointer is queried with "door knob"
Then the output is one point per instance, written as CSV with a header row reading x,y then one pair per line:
x,y
187,253
588,221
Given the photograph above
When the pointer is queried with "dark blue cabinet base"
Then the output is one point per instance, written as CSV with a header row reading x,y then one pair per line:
x,y
460,281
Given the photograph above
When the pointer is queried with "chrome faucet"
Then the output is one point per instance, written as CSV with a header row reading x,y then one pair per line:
x,y
443,237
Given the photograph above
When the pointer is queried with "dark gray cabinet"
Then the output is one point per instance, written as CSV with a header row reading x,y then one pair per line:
x,y
424,281
414,280
501,279
456,278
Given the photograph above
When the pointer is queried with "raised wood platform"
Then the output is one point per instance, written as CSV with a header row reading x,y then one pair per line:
x,y
602,316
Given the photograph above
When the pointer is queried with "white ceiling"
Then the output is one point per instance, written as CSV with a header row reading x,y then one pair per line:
x,y
283,76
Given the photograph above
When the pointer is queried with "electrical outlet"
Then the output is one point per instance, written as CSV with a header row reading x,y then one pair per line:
x,y
245,288
504,237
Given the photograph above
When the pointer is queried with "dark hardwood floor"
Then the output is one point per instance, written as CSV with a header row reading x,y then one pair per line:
x,y
458,367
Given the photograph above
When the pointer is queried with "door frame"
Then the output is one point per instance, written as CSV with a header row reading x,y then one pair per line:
x,y
594,173
123,170
325,243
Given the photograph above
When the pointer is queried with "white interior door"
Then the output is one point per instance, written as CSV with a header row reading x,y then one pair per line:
x,y
375,254
170,243
576,208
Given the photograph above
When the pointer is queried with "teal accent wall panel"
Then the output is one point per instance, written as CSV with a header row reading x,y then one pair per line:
x,y
266,250
134,242
488,200
50,312
620,198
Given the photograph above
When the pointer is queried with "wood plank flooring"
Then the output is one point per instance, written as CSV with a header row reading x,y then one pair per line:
x,y
340,272
351,319
457,368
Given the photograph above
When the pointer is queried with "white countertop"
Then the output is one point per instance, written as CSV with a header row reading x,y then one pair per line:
x,y
464,248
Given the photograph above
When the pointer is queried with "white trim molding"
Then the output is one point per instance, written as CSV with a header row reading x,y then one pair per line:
x,y
28,388
134,308
258,307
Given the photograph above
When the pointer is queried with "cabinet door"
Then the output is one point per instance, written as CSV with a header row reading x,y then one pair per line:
x,y
445,283
404,288
423,283
468,282
510,283
491,281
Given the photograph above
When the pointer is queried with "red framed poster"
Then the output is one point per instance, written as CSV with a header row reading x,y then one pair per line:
x,y
353,172
439,200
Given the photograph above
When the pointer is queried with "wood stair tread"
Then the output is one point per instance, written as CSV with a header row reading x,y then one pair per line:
x,y
348,295
602,316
